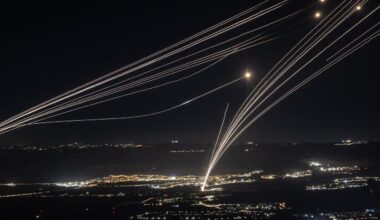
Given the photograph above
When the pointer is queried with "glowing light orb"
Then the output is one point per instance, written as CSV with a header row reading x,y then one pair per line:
x,y
317,14
358,8
247,75
322,1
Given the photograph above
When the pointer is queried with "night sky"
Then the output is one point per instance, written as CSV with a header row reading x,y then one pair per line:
x,y
48,48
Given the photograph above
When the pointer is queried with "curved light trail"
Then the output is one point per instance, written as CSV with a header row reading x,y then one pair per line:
x,y
143,115
290,65
156,57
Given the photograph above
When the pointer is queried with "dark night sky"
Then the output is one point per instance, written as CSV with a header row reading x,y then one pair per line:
x,y
48,48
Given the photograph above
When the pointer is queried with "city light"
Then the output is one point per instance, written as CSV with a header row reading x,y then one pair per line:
x,y
315,164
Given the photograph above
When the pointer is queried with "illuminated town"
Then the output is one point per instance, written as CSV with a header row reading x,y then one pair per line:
x,y
168,197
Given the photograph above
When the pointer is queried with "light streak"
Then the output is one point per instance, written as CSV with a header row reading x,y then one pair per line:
x,y
128,69
244,48
44,115
264,81
220,131
236,50
241,114
241,119
99,102
142,115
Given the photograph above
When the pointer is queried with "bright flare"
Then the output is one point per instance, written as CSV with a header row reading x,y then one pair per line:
x,y
247,75
317,14
358,8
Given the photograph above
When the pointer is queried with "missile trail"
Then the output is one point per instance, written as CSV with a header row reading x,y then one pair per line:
x,y
220,129
111,76
243,114
7,126
264,81
266,87
143,115
191,55
258,95
354,26
235,50
292,74
242,117
45,113
364,42
143,90
146,58
307,80
217,141
206,49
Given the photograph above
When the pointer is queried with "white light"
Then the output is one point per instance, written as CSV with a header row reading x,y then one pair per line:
x,y
247,75
317,14
315,164
358,8
10,184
